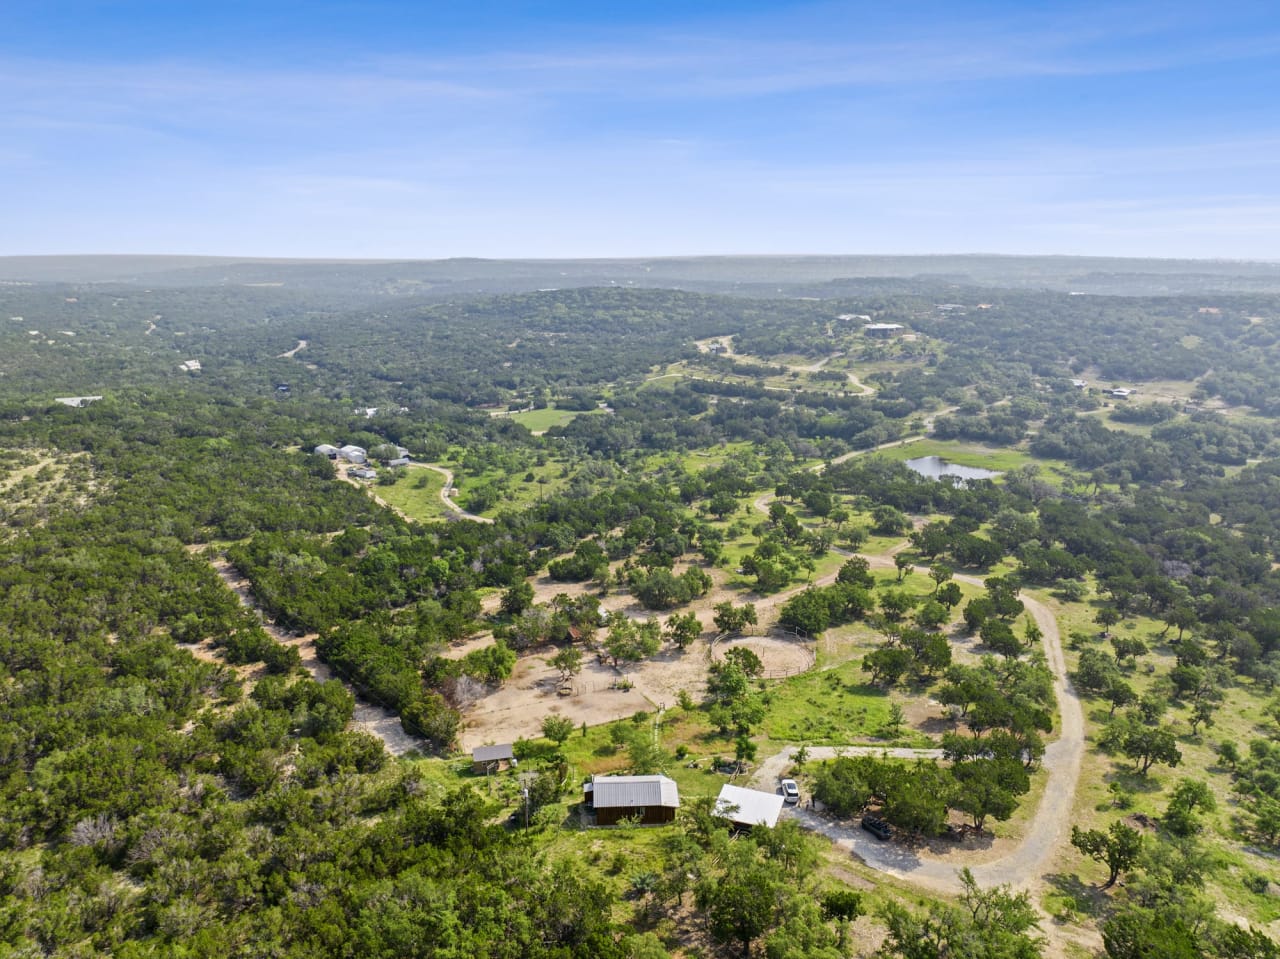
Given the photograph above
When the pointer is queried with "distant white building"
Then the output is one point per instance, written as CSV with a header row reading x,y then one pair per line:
x,y
324,449
354,454
883,330
76,401
191,366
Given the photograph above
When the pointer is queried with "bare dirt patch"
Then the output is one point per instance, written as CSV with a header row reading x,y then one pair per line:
x,y
517,709
533,691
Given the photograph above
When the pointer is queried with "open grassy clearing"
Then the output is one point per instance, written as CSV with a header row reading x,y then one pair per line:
x,y
32,474
539,421
999,459
1239,719
694,460
829,707
1106,415
798,377
17,465
35,482
416,493
1163,391
517,488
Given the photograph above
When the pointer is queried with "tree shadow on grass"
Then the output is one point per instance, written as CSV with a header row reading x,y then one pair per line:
x,y
1082,898
1133,781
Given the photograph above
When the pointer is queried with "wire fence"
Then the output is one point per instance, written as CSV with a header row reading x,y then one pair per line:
x,y
597,686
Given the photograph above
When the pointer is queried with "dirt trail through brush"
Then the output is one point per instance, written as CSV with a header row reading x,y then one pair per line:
x,y
863,388
370,718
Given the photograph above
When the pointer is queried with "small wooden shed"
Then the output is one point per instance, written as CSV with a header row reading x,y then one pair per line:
x,y
492,759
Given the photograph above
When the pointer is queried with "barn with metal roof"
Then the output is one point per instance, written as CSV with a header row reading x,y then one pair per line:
x,y
648,799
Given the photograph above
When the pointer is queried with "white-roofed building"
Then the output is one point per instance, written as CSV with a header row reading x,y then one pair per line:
x,y
748,807
76,401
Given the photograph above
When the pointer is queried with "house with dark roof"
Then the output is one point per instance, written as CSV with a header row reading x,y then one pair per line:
x,y
492,759
647,799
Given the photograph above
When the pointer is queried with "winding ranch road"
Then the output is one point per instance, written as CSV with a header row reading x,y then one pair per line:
x,y
726,347
1046,832
455,511
814,367
446,489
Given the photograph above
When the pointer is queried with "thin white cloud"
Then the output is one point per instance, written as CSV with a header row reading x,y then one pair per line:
x,y
538,152
770,59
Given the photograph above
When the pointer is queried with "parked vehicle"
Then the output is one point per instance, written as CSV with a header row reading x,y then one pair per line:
x,y
790,791
877,827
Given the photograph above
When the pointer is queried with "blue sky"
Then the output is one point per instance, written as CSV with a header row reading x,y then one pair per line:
x,y
504,129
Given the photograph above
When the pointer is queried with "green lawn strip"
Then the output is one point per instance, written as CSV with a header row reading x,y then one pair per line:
x,y
1111,423
1000,459
663,381
537,421
828,707
879,545
417,493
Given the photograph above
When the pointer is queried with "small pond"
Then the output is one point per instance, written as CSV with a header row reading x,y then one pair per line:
x,y
935,467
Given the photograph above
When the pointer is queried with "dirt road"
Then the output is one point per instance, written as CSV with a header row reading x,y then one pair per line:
x,y
370,718
445,490
1049,827
1048,830
863,388
1044,835
455,511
